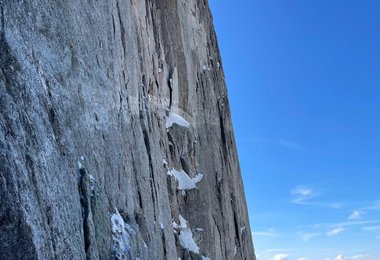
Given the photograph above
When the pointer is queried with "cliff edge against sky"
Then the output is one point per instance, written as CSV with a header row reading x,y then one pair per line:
x,y
115,133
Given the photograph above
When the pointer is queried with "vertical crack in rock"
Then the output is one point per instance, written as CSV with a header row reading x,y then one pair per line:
x,y
151,172
122,29
170,86
87,193
85,204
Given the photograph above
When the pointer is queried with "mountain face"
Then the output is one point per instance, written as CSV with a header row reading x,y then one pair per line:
x,y
115,133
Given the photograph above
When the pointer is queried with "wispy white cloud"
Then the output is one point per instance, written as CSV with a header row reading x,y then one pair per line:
x,y
302,191
340,224
266,233
354,257
356,215
371,228
331,205
303,195
363,208
373,206
281,142
361,222
291,145
306,236
303,258
281,257
335,231
283,250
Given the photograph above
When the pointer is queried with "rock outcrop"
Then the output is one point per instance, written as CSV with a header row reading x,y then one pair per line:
x,y
115,133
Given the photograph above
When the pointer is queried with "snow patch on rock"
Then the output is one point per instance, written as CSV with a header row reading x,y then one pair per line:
x,y
121,234
186,240
186,236
184,180
93,186
174,118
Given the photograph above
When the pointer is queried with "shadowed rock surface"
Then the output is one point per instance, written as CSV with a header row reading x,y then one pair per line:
x,y
115,133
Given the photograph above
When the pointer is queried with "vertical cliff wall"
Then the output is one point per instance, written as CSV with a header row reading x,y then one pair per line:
x,y
115,133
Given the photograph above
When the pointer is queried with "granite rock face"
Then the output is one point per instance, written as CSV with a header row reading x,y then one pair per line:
x,y
115,133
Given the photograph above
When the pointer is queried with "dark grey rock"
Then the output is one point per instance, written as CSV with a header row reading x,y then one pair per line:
x,y
86,91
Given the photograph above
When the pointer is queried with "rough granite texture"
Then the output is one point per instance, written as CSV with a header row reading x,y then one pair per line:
x,y
86,88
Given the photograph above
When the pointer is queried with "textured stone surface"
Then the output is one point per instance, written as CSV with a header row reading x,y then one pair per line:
x,y
86,88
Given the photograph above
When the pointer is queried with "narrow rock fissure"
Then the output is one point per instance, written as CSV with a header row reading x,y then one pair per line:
x,y
84,194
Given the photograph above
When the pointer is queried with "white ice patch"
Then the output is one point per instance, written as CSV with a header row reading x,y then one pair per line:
x,y
242,230
186,240
186,236
93,186
182,222
205,258
197,178
80,165
121,233
184,180
174,118
175,225
165,163
92,178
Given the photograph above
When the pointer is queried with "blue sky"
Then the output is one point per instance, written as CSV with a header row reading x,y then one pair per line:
x,y
304,86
